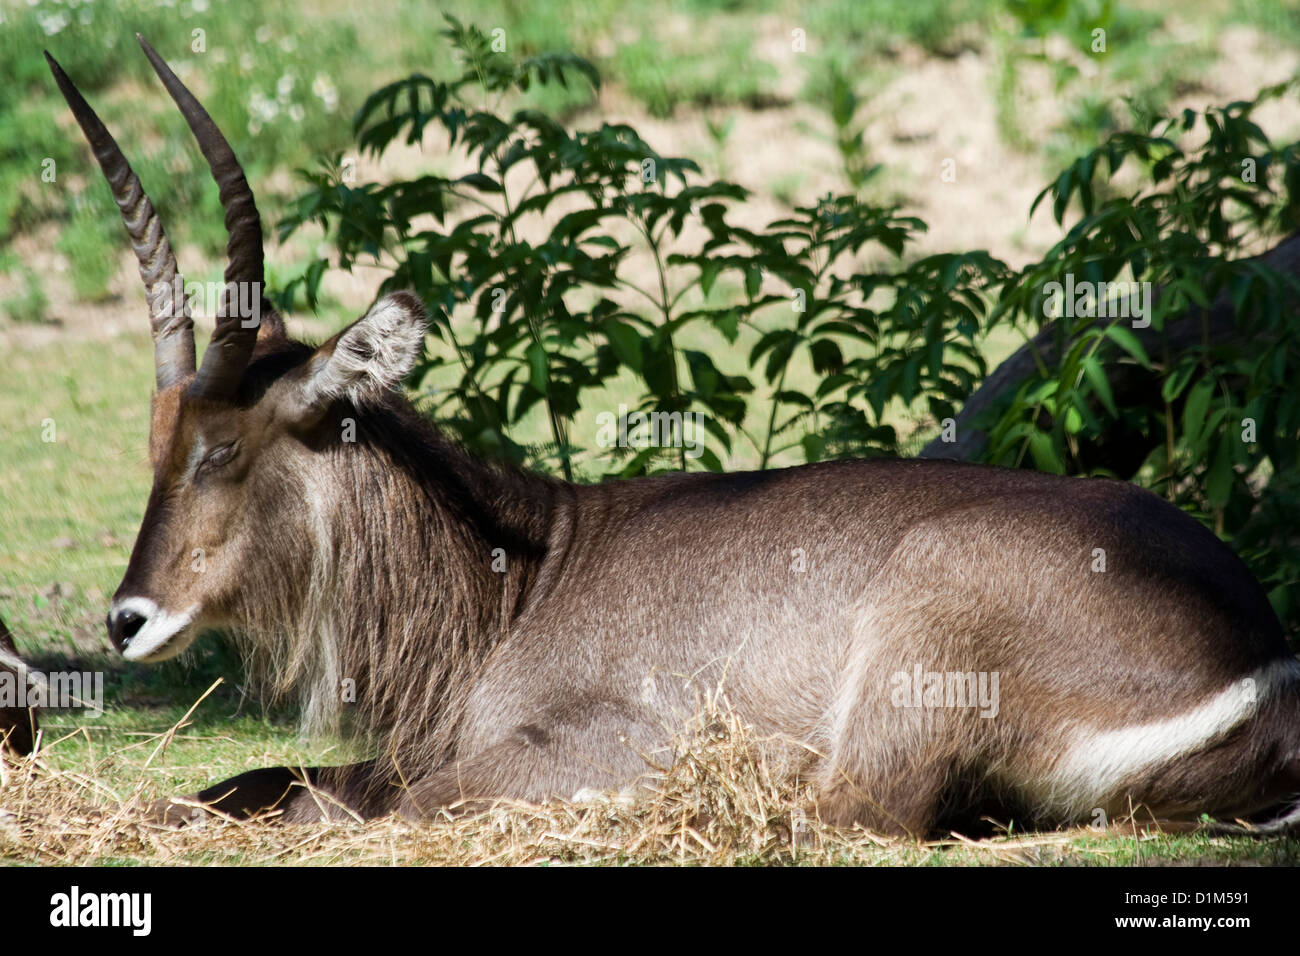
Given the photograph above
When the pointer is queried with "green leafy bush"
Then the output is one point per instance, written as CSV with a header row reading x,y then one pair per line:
x,y
1216,430
535,294
833,335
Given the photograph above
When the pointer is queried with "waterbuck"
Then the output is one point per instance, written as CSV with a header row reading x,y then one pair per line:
x,y
917,638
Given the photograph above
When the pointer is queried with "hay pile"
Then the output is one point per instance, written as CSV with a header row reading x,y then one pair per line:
x,y
717,802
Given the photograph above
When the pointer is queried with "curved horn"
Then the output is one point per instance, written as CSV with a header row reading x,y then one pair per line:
x,y
169,309
236,328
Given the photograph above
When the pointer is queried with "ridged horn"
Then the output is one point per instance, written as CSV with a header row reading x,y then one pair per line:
x,y
236,334
169,310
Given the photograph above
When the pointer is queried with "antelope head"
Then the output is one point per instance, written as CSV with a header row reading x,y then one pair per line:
x,y
239,445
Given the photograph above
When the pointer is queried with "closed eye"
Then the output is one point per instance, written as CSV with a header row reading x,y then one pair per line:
x,y
218,457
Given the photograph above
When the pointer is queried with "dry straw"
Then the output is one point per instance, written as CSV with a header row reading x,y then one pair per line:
x,y
716,802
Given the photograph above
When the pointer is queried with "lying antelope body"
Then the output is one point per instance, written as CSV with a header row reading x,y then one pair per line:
x,y
824,599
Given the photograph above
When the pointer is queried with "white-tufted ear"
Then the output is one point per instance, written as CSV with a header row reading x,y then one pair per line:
x,y
370,357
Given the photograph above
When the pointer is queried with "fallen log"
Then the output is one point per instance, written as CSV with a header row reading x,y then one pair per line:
x,y
1131,383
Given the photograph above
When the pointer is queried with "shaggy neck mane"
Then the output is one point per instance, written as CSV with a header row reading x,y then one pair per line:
x,y
401,602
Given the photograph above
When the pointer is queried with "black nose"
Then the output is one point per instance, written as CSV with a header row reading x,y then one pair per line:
x,y
123,625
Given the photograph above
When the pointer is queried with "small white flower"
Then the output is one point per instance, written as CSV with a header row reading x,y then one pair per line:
x,y
262,108
325,91
53,23
263,34
284,87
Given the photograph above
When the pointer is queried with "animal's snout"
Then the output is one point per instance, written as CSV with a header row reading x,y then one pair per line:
x,y
124,623
143,631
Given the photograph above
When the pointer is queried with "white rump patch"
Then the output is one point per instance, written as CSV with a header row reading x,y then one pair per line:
x,y
163,635
1096,762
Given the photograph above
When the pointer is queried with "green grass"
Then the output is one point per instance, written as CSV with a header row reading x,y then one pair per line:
x,y
30,304
870,28
93,242
1276,18
224,736
1142,62
74,424
710,69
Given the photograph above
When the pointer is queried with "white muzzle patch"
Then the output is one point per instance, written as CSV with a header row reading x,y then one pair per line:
x,y
163,634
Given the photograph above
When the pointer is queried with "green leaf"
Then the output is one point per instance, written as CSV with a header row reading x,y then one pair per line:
x,y
709,459
728,323
1177,380
794,398
1219,478
626,342
826,356
1101,385
482,182
1194,412
1044,454
538,375
1125,339
709,270
703,372
1073,420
